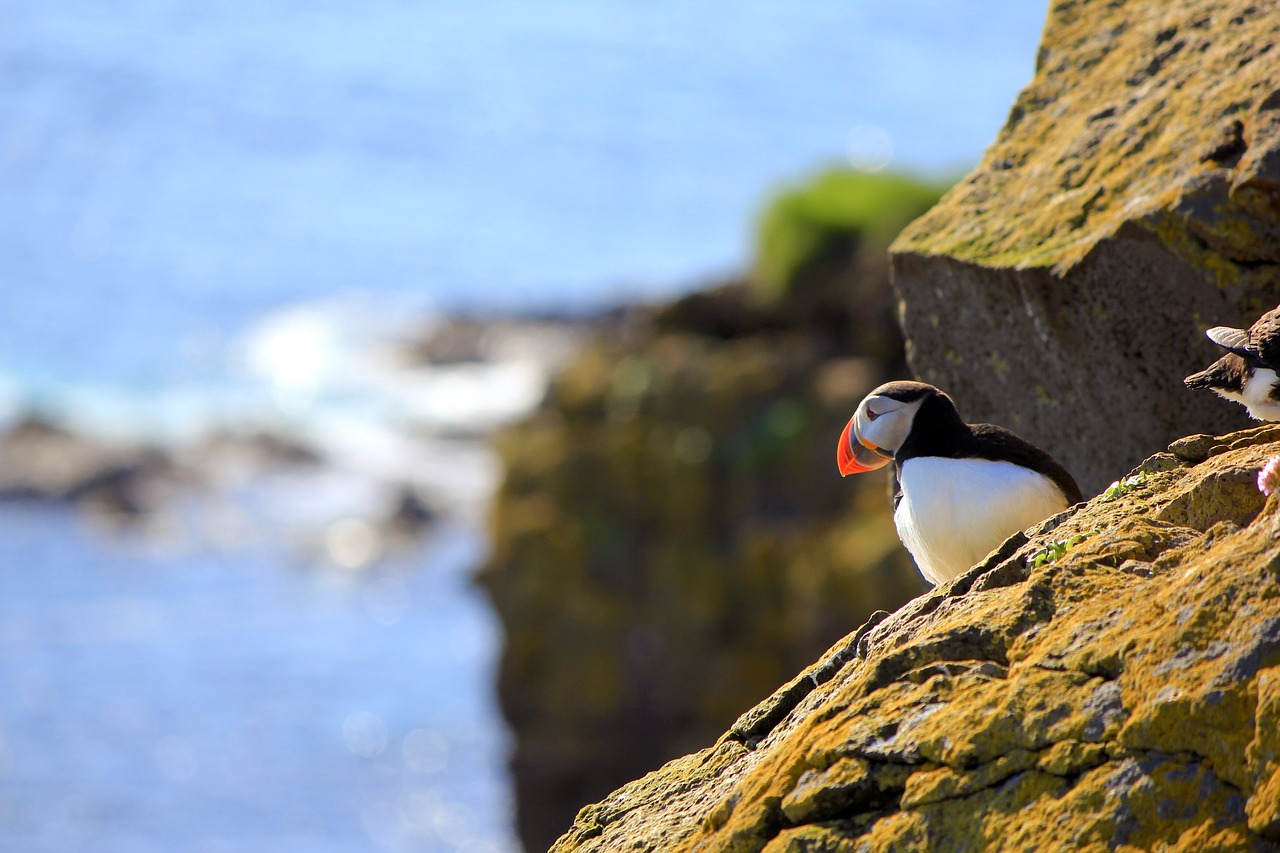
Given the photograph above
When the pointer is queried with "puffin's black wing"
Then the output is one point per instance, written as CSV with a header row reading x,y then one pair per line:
x,y
1226,374
995,442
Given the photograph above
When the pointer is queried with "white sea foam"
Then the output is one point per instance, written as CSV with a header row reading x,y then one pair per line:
x,y
321,356
349,381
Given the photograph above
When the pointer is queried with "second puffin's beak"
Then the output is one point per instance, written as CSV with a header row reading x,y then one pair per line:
x,y
854,456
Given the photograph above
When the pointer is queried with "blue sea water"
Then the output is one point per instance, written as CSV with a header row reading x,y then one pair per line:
x,y
172,169
180,181
235,705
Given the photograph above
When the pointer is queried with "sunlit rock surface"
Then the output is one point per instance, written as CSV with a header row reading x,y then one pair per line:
x,y
1129,203
1111,681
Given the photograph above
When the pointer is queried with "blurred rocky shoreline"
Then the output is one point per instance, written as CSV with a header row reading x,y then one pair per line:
x,y
291,474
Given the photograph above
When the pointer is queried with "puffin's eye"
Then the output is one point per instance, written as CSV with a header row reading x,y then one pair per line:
x,y
871,414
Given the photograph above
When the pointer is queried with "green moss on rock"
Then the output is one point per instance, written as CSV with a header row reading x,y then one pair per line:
x,y
805,226
1136,109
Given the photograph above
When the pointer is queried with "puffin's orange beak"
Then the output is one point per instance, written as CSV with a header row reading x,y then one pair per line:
x,y
854,455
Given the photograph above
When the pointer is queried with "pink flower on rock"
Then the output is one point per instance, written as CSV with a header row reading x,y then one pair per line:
x,y
1269,476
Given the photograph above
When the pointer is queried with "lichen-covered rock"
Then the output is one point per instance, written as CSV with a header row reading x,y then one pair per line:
x,y
1131,201
1110,680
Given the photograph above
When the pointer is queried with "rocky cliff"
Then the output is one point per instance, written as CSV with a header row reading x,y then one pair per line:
x,y
1110,680
672,540
671,537
1129,203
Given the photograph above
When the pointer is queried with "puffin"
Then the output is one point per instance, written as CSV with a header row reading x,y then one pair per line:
x,y
1247,373
962,489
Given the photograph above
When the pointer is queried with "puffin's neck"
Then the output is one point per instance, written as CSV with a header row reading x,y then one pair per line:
x,y
936,431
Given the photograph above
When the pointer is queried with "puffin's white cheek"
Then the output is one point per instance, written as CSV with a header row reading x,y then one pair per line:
x,y
891,429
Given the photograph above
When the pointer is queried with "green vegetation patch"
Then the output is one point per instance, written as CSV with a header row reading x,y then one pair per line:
x,y
807,223
1054,551
1123,487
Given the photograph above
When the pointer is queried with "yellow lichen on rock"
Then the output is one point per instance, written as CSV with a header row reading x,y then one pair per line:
x,y
1124,696
1133,106
1263,809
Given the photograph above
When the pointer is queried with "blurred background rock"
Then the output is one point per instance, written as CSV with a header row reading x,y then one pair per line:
x,y
672,540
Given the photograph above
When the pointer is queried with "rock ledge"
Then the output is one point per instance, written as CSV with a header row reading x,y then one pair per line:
x,y
1111,677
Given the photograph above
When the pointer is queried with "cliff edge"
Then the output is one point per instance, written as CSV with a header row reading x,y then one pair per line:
x,y
1111,678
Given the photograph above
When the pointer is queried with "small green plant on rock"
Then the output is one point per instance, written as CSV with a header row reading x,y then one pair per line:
x,y
1123,487
1054,550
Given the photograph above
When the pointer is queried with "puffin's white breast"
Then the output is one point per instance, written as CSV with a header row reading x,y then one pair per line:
x,y
953,512
1257,395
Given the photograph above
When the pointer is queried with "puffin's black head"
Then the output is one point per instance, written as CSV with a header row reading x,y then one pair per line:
x,y
883,422
1227,374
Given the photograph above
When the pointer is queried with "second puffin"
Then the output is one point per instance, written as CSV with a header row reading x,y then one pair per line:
x,y
962,488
